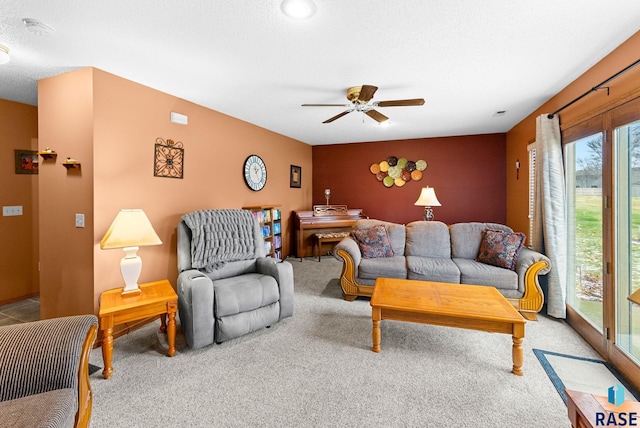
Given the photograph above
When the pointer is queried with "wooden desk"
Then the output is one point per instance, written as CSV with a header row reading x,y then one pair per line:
x,y
583,407
156,298
474,307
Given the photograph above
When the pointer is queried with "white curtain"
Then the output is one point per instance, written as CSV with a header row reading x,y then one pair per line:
x,y
549,220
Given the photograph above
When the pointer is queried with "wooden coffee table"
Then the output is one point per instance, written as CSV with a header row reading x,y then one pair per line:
x,y
474,307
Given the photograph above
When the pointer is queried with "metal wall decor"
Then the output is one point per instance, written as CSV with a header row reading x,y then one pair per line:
x,y
398,171
169,158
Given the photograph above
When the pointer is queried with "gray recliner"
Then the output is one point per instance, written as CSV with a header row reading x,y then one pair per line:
x,y
226,285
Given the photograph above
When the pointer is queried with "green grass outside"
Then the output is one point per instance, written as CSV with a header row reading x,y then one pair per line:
x,y
589,265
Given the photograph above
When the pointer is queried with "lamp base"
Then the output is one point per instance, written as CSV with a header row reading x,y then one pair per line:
x,y
428,214
130,267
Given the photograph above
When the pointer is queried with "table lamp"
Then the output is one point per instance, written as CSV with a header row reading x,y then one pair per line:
x,y
428,199
130,229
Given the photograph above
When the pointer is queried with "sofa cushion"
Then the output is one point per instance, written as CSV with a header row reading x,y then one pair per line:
x,y
396,232
473,272
500,248
432,269
428,239
387,267
373,242
55,408
243,293
466,238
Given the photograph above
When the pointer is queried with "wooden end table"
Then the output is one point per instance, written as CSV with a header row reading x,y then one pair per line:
x,y
156,298
474,307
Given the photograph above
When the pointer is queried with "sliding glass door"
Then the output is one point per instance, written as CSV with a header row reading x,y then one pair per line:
x,y
603,247
627,227
584,172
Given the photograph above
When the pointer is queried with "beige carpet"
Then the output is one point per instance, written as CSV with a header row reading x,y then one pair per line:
x,y
317,370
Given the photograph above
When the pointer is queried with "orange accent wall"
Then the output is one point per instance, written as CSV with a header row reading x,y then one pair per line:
x,y
18,268
110,125
466,172
525,132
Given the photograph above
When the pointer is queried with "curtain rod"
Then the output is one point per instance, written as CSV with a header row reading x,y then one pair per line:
x,y
595,88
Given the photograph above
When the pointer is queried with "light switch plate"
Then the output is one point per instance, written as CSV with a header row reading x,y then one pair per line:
x,y
79,220
8,211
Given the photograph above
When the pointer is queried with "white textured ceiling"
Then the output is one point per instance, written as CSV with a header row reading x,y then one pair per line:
x,y
467,59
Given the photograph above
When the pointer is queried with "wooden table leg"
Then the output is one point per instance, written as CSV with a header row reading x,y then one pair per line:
x,y
171,331
163,323
516,350
107,351
375,333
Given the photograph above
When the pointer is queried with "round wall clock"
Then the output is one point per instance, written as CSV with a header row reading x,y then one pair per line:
x,y
255,173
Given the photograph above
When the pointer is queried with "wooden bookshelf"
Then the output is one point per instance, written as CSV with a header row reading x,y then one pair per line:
x,y
270,219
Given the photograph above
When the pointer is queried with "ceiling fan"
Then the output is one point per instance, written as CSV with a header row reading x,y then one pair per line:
x,y
360,98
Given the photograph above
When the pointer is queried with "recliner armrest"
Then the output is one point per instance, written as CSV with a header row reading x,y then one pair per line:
x,y
283,274
195,307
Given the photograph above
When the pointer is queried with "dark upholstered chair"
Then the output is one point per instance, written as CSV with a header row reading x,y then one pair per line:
x,y
44,372
226,285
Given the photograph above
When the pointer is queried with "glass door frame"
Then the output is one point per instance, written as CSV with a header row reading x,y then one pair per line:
x,y
604,342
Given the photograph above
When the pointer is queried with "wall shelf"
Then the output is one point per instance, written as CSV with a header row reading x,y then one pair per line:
x,y
48,153
71,163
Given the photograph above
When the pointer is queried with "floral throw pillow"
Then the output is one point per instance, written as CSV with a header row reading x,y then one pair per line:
x,y
373,242
500,248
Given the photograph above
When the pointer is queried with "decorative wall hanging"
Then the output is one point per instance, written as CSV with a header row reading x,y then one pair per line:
x,y
169,157
398,171
26,161
295,176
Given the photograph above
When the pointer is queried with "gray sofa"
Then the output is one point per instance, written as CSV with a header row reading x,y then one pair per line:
x,y
44,377
433,251
245,293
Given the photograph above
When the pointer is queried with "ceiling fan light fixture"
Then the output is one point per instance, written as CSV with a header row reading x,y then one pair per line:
x,y
4,54
298,9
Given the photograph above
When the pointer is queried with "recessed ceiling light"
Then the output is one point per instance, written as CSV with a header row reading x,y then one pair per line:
x,y
4,54
298,9
37,27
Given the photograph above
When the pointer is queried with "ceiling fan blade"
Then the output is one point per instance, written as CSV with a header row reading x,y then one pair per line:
x,y
376,115
401,103
326,105
337,116
366,93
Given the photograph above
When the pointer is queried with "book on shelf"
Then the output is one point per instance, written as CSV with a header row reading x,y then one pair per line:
x,y
259,216
266,231
276,214
277,241
277,228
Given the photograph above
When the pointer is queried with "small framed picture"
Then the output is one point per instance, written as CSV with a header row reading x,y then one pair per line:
x,y
26,161
296,176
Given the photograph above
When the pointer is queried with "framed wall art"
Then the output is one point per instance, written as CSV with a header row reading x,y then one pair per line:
x,y
295,178
26,161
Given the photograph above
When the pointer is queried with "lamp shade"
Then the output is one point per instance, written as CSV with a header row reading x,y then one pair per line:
x,y
428,198
131,228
